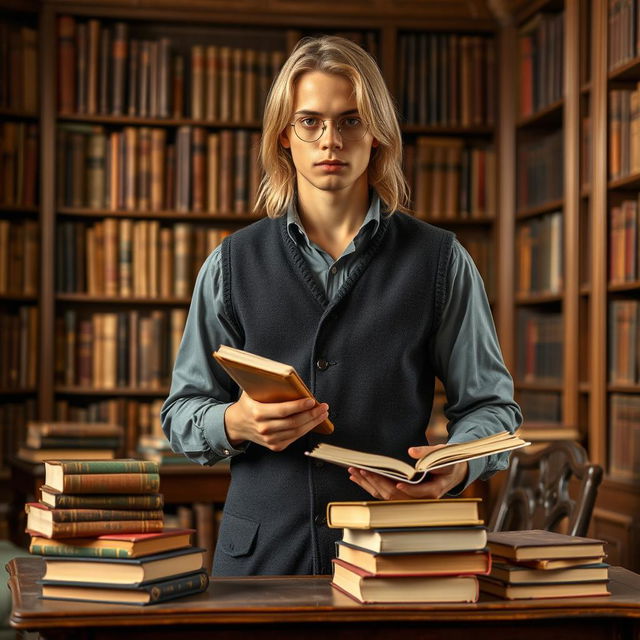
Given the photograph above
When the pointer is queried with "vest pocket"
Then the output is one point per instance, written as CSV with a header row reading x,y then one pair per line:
x,y
237,535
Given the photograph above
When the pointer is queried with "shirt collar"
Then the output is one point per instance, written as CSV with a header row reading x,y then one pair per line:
x,y
298,234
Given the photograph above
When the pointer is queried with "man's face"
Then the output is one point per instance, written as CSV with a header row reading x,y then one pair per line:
x,y
331,163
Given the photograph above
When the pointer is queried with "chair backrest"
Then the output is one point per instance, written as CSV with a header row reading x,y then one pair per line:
x,y
536,492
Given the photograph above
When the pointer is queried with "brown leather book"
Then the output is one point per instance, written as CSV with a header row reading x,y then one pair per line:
x,y
240,176
125,239
213,172
212,77
238,73
226,171
114,170
104,89
153,241
265,380
82,55
170,177
166,263
143,156
29,97
28,196
119,61
164,64
157,169
182,242
198,171
111,258
96,148
153,78
225,84
144,70
134,355
197,82
133,77
93,51
177,87
264,80
66,64
131,157
250,86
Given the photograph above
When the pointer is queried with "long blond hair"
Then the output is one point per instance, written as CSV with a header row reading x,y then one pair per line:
x,y
331,54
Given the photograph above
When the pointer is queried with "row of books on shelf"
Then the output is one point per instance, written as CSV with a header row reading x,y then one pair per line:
x,y
539,346
446,79
624,134
18,62
439,551
624,32
132,258
624,342
481,248
99,526
19,361
14,415
110,69
18,163
450,180
624,262
115,350
19,257
138,169
540,62
543,407
539,250
624,433
540,170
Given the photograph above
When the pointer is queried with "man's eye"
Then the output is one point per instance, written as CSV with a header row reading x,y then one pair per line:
x,y
309,122
351,123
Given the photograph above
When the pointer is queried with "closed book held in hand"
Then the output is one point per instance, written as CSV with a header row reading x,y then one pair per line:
x,y
436,459
266,380
404,513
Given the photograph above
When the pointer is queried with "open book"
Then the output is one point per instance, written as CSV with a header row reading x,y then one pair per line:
x,y
266,380
399,470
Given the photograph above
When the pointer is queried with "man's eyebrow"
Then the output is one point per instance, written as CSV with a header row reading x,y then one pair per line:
x,y
308,112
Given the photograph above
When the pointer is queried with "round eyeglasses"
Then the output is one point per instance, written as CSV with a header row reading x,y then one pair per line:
x,y
311,128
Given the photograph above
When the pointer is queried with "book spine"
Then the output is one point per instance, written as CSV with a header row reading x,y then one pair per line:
x,y
71,551
151,501
93,515
112,483
100,527
109,467
187,585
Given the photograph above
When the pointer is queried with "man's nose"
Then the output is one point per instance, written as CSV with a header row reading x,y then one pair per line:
x,y
331,136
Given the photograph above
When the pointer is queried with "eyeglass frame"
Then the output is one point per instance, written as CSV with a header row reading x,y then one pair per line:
x,y
324,127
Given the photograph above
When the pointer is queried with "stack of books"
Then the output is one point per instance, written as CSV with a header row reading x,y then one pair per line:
x,y
156,448
99,526
409,550
545,564
71,441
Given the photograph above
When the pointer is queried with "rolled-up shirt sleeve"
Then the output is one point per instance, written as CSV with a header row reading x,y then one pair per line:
x,y
468,360
193,414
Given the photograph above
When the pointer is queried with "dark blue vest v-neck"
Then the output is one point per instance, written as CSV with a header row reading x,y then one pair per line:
x,y
365,353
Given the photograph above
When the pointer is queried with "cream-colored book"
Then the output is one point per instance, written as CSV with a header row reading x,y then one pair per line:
x,y
399,470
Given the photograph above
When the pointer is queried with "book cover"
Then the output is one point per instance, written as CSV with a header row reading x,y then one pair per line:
x,y
399,470
538,544
265,380
535,591
56,499
160,591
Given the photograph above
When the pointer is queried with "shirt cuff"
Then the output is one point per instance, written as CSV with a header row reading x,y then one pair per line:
x,y
216,435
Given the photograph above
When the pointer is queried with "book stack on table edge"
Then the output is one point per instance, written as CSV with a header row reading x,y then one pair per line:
x,y
99,526
418,551
545,564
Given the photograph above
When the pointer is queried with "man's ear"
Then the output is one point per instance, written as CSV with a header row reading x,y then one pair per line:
x,y
375,143
284,139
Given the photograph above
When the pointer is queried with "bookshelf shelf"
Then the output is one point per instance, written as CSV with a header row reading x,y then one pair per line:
x,y
526,299
17,209
81,298
585,192
624,388
541,209
549,117
119,391
631,182
415,129
585,290
18,297
632,285
461,222
628,71
539,386
585,88
174,216
18,113
584,387
158,122
8,393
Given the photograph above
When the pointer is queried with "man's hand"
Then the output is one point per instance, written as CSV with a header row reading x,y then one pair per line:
x,y
273,425
437,484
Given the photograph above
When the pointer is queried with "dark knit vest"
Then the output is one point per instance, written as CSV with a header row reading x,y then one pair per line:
x,y
364,353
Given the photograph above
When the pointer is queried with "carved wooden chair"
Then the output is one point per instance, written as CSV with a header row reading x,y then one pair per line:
x,y
536,493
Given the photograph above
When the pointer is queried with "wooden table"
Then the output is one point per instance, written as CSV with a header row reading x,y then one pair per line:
x,y
277,608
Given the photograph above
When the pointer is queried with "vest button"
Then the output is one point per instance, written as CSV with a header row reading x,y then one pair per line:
x,y
320,520
322,364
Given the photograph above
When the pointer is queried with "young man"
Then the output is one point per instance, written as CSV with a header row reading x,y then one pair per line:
x,y
369,305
